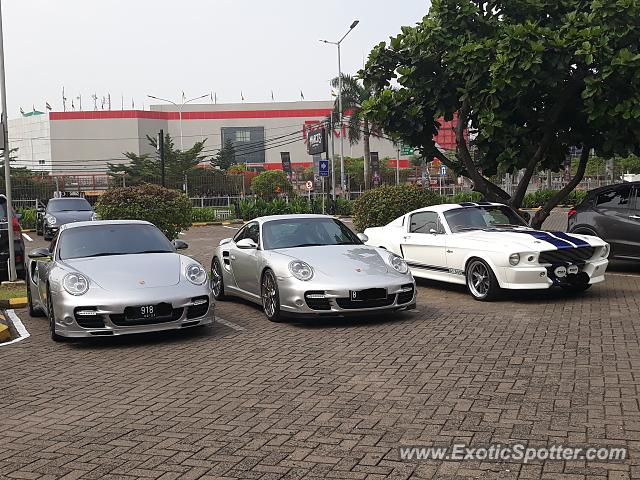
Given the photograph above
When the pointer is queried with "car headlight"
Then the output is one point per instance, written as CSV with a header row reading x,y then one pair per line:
x,y
94,217
50,219
196,274
605,251
398,263
75,283
514,259
301,270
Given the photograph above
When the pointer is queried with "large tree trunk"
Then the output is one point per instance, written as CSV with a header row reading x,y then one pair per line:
x,y
366,135
545,211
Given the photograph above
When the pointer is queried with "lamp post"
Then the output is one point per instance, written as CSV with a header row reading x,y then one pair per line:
x,y
338,43
179,107
7,174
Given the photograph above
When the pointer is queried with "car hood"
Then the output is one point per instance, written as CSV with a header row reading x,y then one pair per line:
x,y
527,240
129,272
351,261
72,216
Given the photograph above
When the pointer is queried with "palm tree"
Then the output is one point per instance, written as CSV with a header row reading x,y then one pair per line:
x,y
354,95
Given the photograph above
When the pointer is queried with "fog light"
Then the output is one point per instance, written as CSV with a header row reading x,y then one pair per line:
x,y
573,269
68,321
530,258
299,303
560,272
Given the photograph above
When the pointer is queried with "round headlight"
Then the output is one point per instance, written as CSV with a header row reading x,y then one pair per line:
x,y
398,263
196,274
301,270
605,251
50,219
75,283
514,259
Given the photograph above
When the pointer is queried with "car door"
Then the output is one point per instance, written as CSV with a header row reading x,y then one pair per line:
x,y
244,262
633,235
424,245
42,269
615,220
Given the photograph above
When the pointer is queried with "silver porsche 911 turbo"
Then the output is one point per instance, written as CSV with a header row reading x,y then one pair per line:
x,y
309,265
102,278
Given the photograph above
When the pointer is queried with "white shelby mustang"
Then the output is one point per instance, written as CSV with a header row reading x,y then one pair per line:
x,y
489,247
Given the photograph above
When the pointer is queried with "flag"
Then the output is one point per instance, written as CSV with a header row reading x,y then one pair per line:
x,y
241,95
333,93
183,96
301,95
109,100
64,101
48,106
215,97
272,99
211,96
103,102
22,112
73,105
133,104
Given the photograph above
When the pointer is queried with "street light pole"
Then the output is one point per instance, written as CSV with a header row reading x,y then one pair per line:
x,y
179,107
7,173
338,44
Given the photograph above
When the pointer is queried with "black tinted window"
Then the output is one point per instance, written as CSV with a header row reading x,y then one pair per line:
x,y
617,198
302,232
253,232
68,204
481,218
104,240
424,222
3,209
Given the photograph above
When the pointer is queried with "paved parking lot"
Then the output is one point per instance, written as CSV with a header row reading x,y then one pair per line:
x,y
333,398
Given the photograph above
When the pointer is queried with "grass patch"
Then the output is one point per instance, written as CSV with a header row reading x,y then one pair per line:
x,y
12,291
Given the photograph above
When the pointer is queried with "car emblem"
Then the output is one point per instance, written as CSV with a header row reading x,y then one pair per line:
x,y
141,282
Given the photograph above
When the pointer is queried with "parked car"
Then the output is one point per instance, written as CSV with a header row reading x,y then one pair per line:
x,y
613,214
60,211
488,247
116,277
18,242
309,265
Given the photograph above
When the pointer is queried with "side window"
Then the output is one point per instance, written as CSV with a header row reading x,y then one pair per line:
x,y
424,222
635,205
253,232
616,198
241,234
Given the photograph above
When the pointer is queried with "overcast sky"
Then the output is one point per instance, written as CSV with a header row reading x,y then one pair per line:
x,y
158,47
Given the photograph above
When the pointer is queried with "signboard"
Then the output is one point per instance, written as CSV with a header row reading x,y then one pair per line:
x,y
443,170
406,149
317,141
309,185
323,168
375,168
286,163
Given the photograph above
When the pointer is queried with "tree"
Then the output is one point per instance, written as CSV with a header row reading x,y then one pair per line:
x,y
354,95
270,183
226,157
528,79
146,167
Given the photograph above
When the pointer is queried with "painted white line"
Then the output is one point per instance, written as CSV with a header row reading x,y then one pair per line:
x,y
19,326
229,324
230,228
27,237
621,275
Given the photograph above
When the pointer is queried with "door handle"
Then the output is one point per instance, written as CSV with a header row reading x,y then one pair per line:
x,y
407,237
449,251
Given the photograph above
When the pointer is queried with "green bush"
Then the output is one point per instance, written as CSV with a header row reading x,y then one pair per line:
x,y
539,198
344,207
28,219
271,183
461,197
169,210
207,214
380,206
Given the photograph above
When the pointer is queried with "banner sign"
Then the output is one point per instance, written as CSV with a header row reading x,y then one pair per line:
x,y
375,168
286,163
317,141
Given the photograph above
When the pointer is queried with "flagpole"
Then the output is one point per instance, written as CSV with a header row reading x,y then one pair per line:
x,y
7,173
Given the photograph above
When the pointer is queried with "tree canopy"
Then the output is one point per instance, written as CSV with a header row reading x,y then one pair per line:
x,y
526,79
226,157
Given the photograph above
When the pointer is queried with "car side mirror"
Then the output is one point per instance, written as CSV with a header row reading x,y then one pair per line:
x,y
247,244
40,254
224,241
363,237
434,231
40,209
180,245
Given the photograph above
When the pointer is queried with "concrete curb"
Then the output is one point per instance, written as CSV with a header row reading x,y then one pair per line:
x,y
5,333
18,302
207,224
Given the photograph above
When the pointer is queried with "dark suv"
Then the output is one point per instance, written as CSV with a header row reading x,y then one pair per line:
x,y
613,214
4,242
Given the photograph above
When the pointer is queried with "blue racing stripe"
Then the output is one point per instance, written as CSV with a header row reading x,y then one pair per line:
x,y
569,238
544,236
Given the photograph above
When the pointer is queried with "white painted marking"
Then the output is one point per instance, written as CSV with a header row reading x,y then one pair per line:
x,y
230,228
181,233
229,324
621,275
27,237
19,326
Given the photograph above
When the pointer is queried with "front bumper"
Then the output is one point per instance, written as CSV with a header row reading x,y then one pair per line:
x,y
108,311
542,276
335,298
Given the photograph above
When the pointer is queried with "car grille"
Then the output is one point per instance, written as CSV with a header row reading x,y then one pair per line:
x,y
195,311
121,320
88,321
317,303
348,304
406,297
568,255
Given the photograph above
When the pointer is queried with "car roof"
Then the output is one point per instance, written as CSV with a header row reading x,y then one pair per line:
x,y
297,216
444,207
93,223
612,186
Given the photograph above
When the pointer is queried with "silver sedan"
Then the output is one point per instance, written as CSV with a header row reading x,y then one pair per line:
x,y
309,265
104,278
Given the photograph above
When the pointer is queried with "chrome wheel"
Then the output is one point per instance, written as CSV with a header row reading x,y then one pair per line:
x,y
270,296
217,283
479,279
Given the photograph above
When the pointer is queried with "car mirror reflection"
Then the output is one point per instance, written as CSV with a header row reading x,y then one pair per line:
x,y
247,244
40,254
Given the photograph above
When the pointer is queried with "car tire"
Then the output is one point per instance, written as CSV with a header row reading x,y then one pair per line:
x,y
481,281
217,280
270,296
52,320
33,311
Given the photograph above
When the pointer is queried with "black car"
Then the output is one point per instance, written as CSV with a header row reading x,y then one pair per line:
x,y
4,242
613,214
60,211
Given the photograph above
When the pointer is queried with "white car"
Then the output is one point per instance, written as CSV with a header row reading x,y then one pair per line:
x,y
488,247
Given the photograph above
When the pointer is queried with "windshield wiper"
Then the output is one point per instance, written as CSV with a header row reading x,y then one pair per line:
x,y
151,251
105,254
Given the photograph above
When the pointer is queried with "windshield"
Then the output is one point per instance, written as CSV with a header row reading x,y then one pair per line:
x,y
104,240
69,205
482,218
306,232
